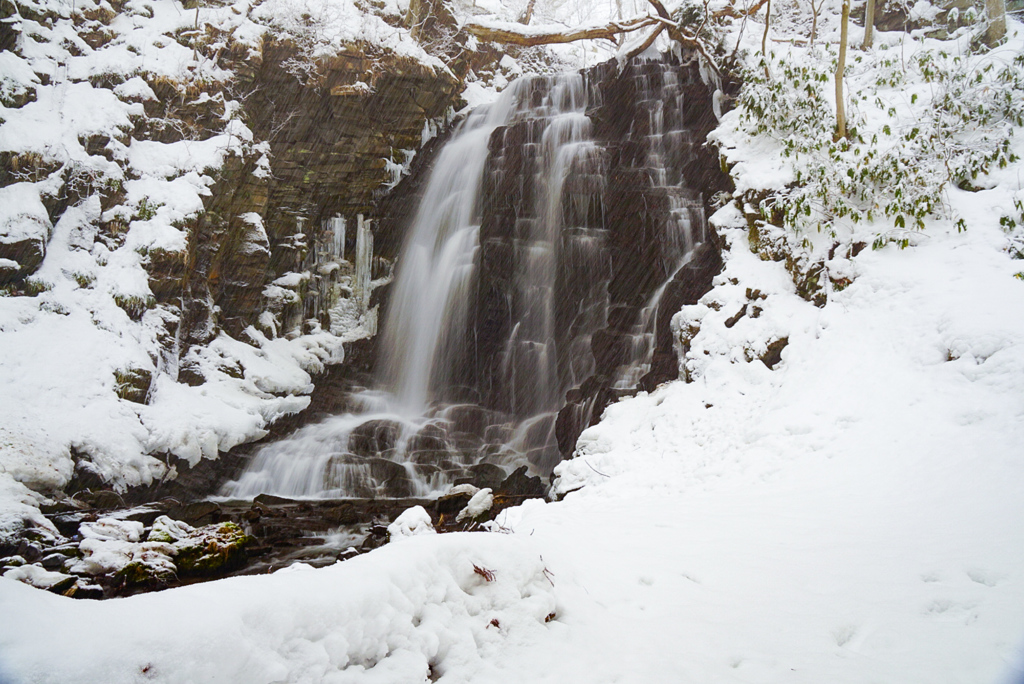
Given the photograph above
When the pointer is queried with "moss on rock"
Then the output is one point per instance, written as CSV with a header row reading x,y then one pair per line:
x,y
211,549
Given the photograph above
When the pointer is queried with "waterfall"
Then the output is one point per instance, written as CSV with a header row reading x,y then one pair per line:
x,y
507,283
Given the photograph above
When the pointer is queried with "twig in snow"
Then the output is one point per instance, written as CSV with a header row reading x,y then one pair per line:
x,y
488,575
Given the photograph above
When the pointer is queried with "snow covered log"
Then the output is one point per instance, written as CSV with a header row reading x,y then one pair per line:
x,y
520,34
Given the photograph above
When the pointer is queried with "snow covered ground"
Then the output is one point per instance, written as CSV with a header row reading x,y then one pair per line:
x,y
852,515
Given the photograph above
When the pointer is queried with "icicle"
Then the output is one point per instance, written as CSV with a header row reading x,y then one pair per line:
x,y
338,236
364,255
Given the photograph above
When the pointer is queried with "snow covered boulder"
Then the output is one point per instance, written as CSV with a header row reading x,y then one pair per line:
x,y
451,504
203,550
114,547
411,523
25,229
40,578
478,507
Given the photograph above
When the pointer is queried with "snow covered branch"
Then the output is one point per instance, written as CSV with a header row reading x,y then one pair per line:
x,y
520,34
511,33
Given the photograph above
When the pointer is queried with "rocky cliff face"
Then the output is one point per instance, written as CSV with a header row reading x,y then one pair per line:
x,y
174,185
335,141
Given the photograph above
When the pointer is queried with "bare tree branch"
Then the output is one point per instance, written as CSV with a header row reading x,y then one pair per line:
x,y
518,34
648,42
691,42
731,11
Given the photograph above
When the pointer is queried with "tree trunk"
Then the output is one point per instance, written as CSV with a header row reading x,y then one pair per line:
x,y
764,38
840,107
996,29
528,14
869,25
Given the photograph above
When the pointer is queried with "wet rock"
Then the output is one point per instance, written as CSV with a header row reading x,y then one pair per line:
x,y
344,471
484,475
196,514
271,500
521,486
67,523
148,513
374,437
377,538
430,457
498,434
53,561
86,479
104,499
391,477
211,549
469,418
61,504
30,551
773,355
584,408
85,590
345,514
431,437
448,507
467,442
426,471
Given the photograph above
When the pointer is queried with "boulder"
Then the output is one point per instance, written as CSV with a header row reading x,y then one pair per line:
x,y
25,229
484,475
212,549
521,486
374,437
431,437
392,478
412,522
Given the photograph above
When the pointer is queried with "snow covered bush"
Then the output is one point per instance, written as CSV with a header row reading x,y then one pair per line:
x,y
919,124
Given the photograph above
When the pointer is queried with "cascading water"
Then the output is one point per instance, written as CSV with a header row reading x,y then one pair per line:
x,y
501,287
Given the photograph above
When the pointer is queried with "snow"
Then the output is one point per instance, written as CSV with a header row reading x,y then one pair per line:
x,y
479,504
407,610
36,576
23,215
108,545
327,27
412,522
851,515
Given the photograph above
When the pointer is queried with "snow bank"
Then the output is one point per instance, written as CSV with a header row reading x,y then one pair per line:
x,y
407,612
